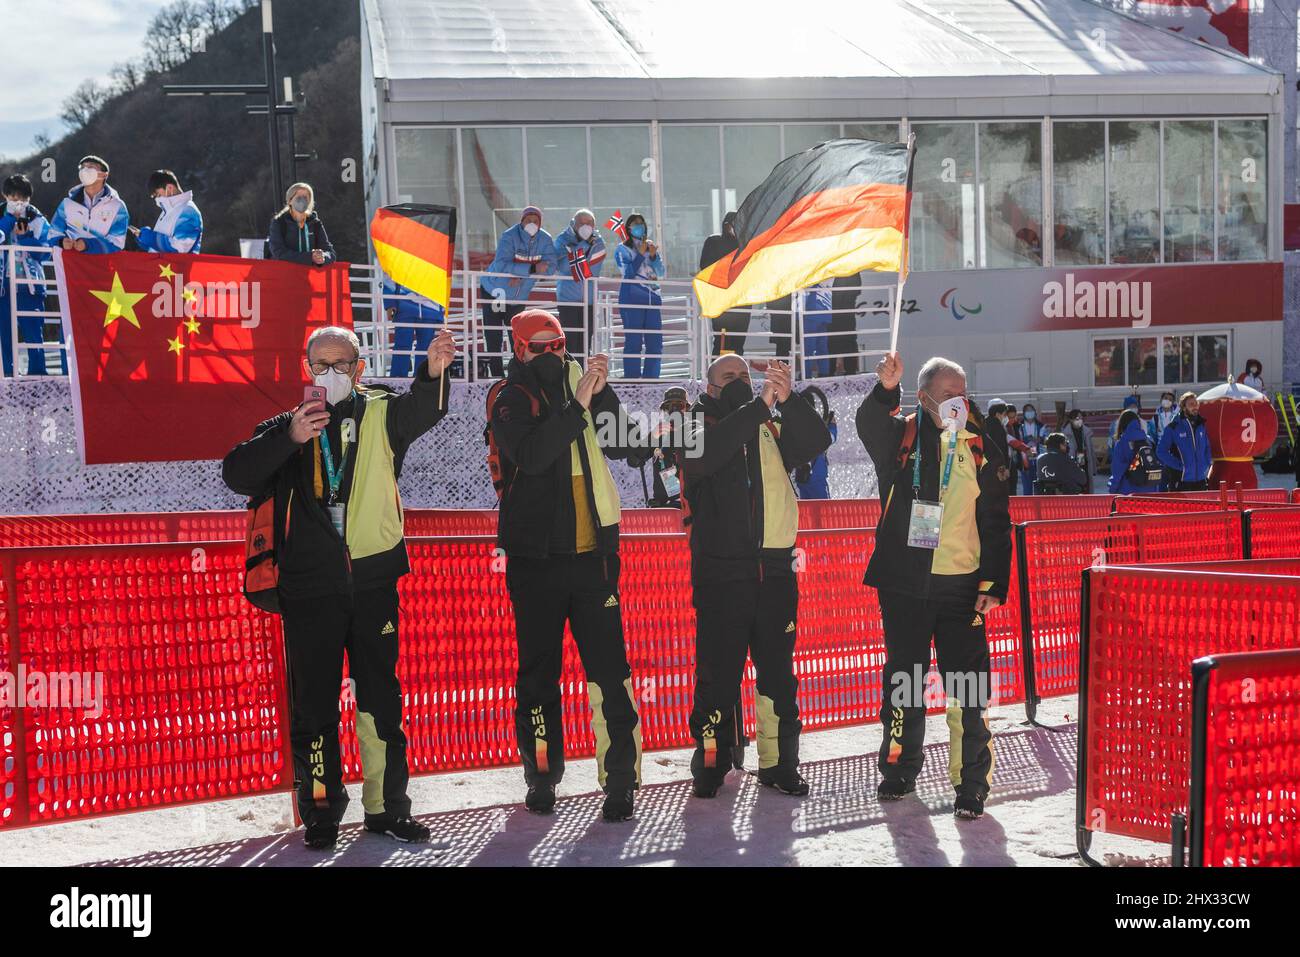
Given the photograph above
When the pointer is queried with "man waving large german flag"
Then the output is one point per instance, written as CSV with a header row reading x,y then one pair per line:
x,y
837,209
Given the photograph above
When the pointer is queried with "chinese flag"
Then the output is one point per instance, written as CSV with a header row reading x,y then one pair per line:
x,y
178,357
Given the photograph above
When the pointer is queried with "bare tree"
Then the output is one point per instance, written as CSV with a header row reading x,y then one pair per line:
x,y
80,108
125,77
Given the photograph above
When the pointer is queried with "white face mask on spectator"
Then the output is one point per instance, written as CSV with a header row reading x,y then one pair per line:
x,y
953,413
530,229
88,175
337,386
584,231
16,207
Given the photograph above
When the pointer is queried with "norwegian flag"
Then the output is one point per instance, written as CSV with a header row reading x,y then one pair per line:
x,y
616,223
579,265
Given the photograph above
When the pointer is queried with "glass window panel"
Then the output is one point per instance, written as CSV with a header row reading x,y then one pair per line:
x,y
1178,359
1243,194
1189,194
427,170
750,153
494,188
1011,183
943,197
1079,192
1211,358
1142,369
1107,362
802,136
880,132
692,193
1134,196
557,173
621,177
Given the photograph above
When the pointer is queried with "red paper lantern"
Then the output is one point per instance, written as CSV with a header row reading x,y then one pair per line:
x,y
1242,424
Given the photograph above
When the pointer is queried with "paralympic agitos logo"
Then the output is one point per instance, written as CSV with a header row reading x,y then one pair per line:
x,y
959,310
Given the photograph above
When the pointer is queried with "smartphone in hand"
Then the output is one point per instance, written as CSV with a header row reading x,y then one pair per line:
x,y
314,393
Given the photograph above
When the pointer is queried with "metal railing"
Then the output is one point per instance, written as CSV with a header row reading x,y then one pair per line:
x,y
666,327
23,352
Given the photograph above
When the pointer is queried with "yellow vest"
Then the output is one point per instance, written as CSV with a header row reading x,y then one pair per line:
x,y
608,509
780,510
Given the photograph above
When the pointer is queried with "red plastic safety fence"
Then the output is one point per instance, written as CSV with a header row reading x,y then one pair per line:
x,y
1142,630
1048,507
458,654
1295,496
839,513
1053,554
1273,532
1244,808
144,679
1164,505
121,528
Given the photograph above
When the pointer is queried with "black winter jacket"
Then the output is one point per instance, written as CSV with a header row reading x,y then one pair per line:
x,y
895,566
537,517
282,239
312,557
724,487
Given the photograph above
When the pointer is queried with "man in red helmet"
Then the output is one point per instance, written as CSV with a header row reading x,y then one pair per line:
x,y
559,530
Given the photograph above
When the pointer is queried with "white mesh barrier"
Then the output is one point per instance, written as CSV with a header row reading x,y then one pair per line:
x,y
40,471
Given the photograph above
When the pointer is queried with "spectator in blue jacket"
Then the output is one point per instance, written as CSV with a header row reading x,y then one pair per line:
x,y
816,329
639,302
92,218
415,322
1165,414
524,250
815,482
1130,434
180,224
1034,434
22,225
1185,447
579,255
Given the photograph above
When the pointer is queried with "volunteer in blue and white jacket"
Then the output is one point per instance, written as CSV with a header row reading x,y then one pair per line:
x,y
1185,447
579,254
22,225
415,321
524,250
180,225
92,218
637,257
1164,415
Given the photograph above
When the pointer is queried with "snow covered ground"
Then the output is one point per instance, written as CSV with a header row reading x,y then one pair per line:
x,y
477,820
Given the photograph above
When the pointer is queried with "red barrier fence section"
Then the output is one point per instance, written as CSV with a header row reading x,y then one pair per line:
x,y
1245,779
1295,496
12,804
1275,533
458,656
1050,507
1144,627
188,675
839,513
122,528
1055,553
1165,505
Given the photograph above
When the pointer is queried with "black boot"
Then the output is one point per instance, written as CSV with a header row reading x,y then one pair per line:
x,y
321,836
540,798
405,829
618,805
967,806
894,789
785,778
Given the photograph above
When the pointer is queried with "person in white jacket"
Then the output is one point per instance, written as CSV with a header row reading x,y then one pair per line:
x,y
180,224
92,218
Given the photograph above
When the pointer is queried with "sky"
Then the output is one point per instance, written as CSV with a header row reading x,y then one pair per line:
x,y
89,37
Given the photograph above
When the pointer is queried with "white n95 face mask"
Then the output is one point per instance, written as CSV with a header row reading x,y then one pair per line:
x,y
584,232
88,175
530,229
954,413
337,386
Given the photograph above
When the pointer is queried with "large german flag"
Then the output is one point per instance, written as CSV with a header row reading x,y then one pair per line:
x,y
414,245
837,209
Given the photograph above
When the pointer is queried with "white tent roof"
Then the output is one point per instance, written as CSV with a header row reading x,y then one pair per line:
x,y
680,49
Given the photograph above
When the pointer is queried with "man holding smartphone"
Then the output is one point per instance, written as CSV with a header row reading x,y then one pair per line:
x,y
333,466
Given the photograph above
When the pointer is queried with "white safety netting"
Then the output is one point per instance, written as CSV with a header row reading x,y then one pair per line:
x,y
41,471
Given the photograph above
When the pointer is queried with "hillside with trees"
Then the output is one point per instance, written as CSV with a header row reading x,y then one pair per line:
x,y
210,142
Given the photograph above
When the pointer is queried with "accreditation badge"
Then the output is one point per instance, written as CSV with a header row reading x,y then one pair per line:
x,y
336,517
923,529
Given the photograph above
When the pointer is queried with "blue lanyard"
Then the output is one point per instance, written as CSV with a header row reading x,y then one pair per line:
x,y
333,475
947,466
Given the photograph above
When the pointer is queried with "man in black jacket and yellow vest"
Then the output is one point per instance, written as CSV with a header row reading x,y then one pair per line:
x,y
333,472
743,520
942,562
559,530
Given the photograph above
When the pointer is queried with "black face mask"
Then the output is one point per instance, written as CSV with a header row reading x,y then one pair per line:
x,y
734,394
549,368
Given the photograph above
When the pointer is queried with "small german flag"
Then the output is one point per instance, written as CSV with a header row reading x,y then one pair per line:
x,y
414,244
837,209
